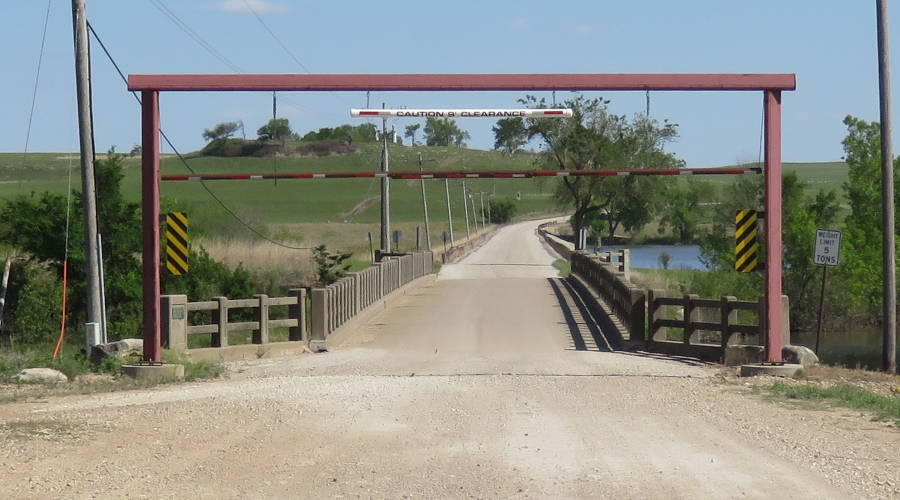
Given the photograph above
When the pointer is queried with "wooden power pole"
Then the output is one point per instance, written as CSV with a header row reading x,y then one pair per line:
x,y
82,86
889,354
449,211
425,208
385,192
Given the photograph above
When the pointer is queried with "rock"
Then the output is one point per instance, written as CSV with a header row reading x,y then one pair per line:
x,y
41,375
800,355
120,349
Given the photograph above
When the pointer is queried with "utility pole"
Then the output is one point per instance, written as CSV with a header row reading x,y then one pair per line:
x,y
888,251
466,207
82,86
449,212
482,210
385,191
425,208
474,212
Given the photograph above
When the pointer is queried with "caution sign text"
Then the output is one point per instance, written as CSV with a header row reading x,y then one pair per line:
x,y
746,250
177,243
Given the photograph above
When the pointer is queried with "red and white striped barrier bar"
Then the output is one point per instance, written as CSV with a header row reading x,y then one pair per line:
x,y
460,113
464,174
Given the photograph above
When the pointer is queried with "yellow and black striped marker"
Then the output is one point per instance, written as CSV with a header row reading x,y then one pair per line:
x,y
177,243
746,250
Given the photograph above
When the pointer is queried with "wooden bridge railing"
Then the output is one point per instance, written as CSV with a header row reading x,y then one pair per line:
x,y
707,326
177,327
329,307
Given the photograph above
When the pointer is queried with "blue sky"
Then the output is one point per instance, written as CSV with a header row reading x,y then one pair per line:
x,y
829,44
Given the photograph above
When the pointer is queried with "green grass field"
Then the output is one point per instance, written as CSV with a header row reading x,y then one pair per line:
x,y
349,207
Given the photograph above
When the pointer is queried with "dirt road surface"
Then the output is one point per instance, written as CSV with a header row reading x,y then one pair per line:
x,y
476,385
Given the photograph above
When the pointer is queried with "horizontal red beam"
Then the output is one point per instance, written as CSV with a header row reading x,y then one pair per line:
x,y
459,82
464,174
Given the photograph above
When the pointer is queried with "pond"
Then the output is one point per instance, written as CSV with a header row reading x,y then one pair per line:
x,y
680,256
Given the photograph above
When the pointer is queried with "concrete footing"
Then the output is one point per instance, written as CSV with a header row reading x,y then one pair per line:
x,y
780,370
317,346
154,372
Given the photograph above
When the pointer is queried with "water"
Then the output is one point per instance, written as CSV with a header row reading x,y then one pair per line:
x,y
680,256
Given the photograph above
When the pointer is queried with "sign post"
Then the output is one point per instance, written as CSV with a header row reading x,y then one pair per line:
x,y
828,251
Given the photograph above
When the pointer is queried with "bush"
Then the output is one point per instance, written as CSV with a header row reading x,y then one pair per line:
x,y
34,316
502,210
330,267
209,278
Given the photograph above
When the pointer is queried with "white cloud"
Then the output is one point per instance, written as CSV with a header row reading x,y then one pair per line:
x,y
245,6
584,29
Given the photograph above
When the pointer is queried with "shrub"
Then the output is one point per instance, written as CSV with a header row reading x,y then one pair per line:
x,y
502,210
34,316
330,267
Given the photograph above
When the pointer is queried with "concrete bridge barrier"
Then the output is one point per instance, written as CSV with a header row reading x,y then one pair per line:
x,y
330,308
335,305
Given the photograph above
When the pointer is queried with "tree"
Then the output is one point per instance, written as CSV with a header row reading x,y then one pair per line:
x,y
222,130
594,139
275,130
444,132
347,133
509,134
861,257
330,267
411,132
36,223
802,215
683,210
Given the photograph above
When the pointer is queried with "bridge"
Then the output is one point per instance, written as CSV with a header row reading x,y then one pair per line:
x,y
493,378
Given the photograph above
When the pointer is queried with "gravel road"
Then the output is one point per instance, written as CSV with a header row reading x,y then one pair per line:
x,y
473,385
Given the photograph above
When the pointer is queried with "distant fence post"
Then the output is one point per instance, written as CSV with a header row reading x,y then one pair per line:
x,y
220,319
625,263
729,316
261,317
691,316
357,295
656,314
298,311
174,321
637,315
318,318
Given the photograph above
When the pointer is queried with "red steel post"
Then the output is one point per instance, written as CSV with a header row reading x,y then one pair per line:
x,y
772,105
150,218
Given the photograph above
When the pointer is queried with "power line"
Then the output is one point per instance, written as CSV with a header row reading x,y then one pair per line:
x,y
284,47
37,78
184,161
275,37
160,6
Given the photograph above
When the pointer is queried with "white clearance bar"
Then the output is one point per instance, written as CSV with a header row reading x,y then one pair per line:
x,y
460,113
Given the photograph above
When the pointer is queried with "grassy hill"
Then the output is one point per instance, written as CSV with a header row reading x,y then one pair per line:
x,y
292,209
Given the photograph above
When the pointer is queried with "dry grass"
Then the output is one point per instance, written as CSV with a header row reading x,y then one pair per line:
x,y
261,256
296,266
